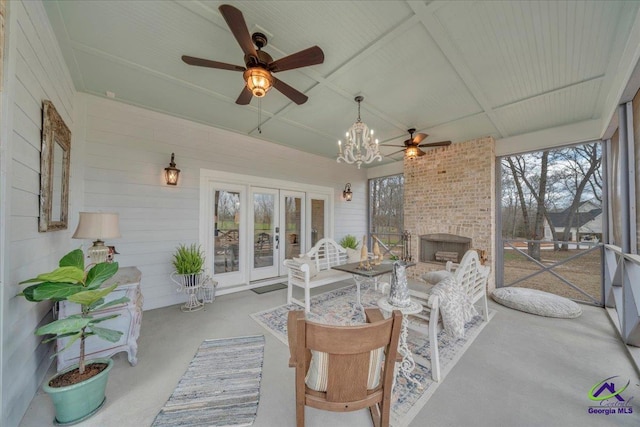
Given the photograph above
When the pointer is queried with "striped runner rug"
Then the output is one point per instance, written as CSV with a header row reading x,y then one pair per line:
x,y
221,386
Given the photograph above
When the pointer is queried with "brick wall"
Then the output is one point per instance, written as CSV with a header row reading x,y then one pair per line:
x,y
452,190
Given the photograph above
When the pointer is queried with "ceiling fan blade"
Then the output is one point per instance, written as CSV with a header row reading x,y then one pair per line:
x,y
435,144
291,93
310,56
421,153
245,97
391,145
395,152
211,64
419,137
238,26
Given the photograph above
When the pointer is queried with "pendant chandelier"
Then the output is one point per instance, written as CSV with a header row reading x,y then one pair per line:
x,y
360,146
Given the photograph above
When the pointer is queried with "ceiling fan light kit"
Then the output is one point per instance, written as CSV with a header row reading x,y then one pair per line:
x,y
411,152
259,81
259,66
360,147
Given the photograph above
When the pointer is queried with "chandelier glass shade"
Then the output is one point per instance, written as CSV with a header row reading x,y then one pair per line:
x,y
259,81
360,147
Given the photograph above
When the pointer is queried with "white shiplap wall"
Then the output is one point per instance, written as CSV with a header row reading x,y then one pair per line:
x,y
35,71
126,149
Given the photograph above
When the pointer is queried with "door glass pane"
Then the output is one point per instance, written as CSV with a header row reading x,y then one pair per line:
x,y
227,232
386,212
263,226
317,220
293,228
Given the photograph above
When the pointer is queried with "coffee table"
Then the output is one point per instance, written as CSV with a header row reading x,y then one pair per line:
x,y
360,276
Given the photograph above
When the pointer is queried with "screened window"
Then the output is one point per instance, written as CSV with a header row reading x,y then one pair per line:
x,y
386,211
552,221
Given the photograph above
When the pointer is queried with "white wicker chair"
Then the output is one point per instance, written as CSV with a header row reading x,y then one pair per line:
x,y
472,276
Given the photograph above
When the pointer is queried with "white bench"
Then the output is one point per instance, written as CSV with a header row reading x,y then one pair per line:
x,y
324,255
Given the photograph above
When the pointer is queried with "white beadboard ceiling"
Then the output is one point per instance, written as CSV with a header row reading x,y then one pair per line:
x,y
455,70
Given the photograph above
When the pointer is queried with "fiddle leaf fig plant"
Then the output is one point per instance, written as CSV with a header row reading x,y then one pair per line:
x,y
71,282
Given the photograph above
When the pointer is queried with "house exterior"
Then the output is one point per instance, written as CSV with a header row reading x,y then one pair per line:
x,y
586,225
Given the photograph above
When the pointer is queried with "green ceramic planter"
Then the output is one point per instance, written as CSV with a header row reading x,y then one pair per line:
x,y
78,402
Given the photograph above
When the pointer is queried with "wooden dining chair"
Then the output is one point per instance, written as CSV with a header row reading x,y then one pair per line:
x,y
344,368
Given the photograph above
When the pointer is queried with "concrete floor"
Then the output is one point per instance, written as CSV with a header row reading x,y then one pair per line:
x,y
522,370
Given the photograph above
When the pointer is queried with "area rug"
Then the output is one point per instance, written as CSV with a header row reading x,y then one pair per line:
x,y
339,307
221,386
270,288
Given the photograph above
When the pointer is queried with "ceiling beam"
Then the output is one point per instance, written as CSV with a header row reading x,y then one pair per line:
x,y
438,32
325,81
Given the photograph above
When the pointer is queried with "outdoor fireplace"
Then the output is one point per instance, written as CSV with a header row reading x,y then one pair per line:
x,y
442,247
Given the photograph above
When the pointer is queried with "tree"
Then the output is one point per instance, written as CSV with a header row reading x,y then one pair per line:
x,y
581,171
386,203
535,181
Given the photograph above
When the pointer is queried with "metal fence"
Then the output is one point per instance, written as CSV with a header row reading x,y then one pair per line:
x,y
574,272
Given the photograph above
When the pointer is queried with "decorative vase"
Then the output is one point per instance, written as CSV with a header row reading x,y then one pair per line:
x,y
191,285
77,402
399,289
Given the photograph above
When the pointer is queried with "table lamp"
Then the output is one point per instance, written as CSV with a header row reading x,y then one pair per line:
x,y
98,226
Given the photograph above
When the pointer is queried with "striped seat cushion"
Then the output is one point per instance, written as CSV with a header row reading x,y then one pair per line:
x,y
317,374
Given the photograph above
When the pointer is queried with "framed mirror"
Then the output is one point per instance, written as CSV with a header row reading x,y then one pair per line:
x,y
55,161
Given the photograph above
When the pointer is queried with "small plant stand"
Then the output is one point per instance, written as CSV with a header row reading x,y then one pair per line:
x,y
191,285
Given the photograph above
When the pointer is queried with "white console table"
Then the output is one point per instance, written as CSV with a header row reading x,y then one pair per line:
x,y
128,321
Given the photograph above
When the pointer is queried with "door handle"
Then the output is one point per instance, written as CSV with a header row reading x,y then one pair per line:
x,y
277,239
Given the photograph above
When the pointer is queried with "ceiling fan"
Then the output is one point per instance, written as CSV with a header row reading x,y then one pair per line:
x,y
259,66
412,145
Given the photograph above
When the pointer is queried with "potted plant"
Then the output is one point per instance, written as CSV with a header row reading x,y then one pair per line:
x,y
188,262
77,392
349,241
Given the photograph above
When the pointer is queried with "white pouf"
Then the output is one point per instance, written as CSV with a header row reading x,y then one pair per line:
x,y
537,302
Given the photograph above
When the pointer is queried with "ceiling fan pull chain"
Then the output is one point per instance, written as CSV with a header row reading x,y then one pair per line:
x,y
259,115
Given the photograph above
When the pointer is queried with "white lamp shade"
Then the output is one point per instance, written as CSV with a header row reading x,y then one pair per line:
x,y
97,225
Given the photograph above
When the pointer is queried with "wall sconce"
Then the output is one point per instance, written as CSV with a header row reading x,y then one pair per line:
x,y
172,173
347,194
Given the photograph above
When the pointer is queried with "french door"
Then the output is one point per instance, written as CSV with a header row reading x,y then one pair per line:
x,y
226,242
249,225
277,230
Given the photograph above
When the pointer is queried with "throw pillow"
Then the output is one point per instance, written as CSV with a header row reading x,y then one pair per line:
x,y
313,271
317,375
456,308
433,277
353,255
